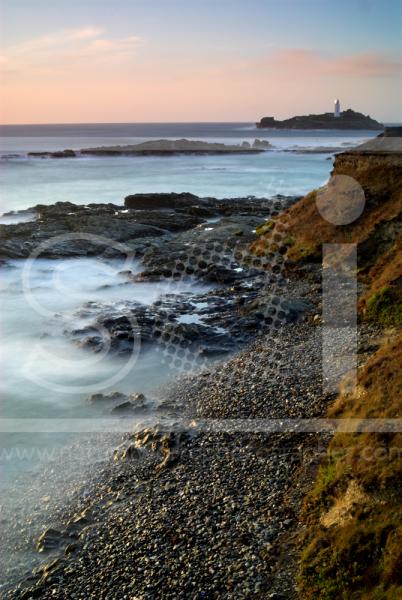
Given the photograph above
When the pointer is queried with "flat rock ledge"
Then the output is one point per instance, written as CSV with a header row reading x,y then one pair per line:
x,y
161,148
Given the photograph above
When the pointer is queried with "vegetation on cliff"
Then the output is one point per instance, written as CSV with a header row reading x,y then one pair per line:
x,y
382,302
377,230
352,541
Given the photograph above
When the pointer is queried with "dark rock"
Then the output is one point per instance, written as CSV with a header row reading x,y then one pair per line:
x,y
135,404
207,325
50,539
283,309
151,219
80,227
223,275
57,154
391,132
111,397
164,443
198,211
211,252
170,148
124,407
349,119
169,220
39,154
160,201
63,154
263,144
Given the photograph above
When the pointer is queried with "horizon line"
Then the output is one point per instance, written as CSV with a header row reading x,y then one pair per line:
x,y
123,123
384,122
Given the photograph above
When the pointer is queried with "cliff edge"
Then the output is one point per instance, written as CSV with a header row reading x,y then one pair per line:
x,y
371,171
350,528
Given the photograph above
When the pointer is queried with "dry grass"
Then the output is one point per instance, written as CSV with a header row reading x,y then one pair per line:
x,y
351,547
382,301
300,232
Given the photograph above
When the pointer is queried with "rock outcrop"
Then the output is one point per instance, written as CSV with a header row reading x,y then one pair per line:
x,y
159,148
57,154
147,220
65,229
349,119
391,132
171,147
162,201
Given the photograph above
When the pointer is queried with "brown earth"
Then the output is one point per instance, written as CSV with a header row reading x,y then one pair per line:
x,y
351,544
302,230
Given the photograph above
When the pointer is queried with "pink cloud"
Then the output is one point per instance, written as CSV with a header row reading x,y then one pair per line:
x,y
54,52
115,44
316,63
366,65
85,74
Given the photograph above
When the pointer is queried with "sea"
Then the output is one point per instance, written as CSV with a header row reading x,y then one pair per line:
x,y
287,169
46,380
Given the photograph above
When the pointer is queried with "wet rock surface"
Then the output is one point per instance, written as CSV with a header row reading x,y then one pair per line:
x,y
65,229
117,403
203,325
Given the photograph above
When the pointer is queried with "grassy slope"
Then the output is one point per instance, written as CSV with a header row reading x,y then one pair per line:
x,y
352,543
302,231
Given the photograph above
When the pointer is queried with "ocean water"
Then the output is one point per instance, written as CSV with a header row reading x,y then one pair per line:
x,y
46,377
25,182
52,439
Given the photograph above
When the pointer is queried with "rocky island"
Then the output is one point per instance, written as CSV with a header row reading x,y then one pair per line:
x,y
348,119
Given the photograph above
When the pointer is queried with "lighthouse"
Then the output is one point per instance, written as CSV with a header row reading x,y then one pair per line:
x,y
337,108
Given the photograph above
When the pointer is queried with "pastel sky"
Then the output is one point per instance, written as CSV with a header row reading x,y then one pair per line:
x,y
72,61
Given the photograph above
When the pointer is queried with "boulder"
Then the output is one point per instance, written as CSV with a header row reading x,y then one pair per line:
x,y
51,539
262,144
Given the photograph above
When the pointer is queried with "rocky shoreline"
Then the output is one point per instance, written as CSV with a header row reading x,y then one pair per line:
x,y
192,508
206,503
145,221
244,304
202,239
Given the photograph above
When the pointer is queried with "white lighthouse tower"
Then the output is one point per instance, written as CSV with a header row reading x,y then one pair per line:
x,y
337,108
